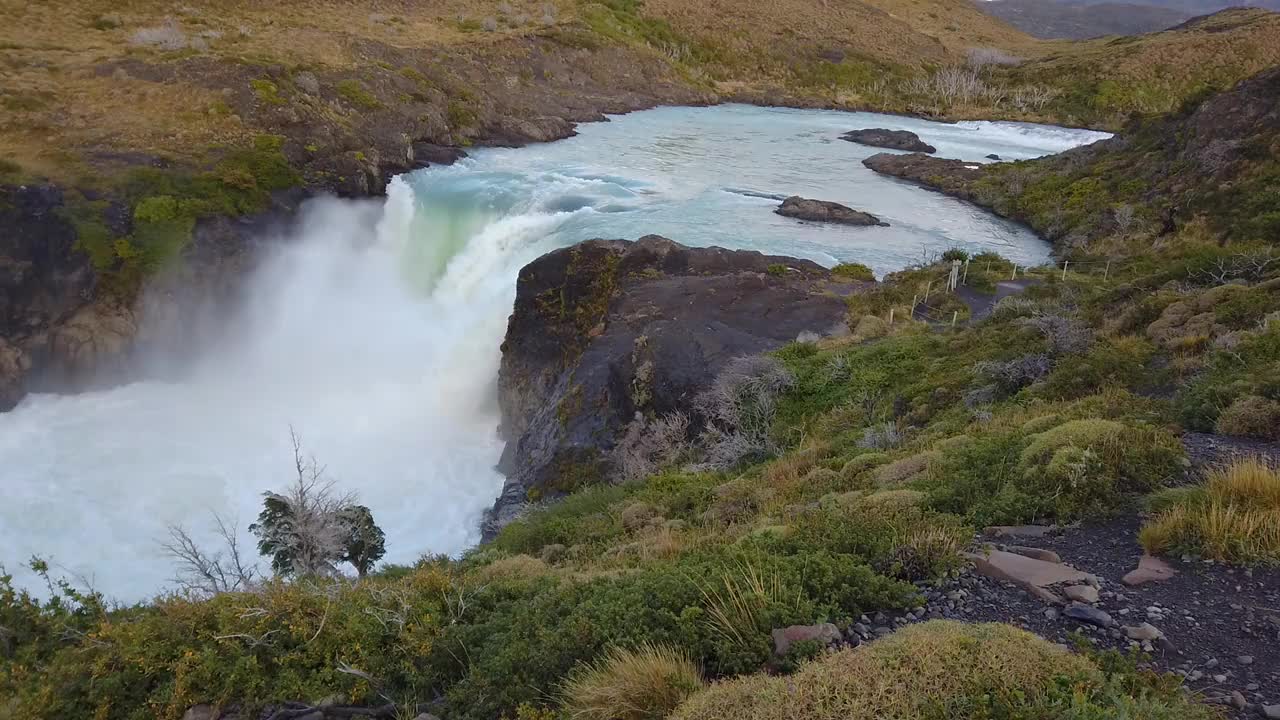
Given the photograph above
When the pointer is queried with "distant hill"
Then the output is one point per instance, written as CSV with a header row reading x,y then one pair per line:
x,y
1081,20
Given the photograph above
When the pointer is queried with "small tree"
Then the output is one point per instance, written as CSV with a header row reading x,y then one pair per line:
x,y
366,543
310,528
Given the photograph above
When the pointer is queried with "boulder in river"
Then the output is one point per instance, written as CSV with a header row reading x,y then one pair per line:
x,y
825,211
609,329
891,139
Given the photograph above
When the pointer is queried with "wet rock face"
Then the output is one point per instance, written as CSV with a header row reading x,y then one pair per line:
x,y
825,211
43,278
891,139
607,329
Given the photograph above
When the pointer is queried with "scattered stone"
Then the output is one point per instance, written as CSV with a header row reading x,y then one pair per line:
x,y
1144,632
1150,569
1219,679
1237,699
784,638
1088,614
1211,663
1245,659
825,211
892,139
1081,593
1051,613
1271,712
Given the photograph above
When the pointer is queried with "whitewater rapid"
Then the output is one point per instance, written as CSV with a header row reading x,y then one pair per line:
x,y
372,329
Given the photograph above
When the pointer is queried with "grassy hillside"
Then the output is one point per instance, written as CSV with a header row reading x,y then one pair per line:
x,y
97,85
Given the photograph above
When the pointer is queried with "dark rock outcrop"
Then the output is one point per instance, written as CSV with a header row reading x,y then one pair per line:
x,y
607,329
891,139
825,211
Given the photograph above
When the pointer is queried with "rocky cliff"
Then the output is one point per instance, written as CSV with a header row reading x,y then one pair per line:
x,y
607,329
1213,164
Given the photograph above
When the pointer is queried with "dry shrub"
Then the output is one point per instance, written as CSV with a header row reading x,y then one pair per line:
x,y
650,445
861,464
642,684
638,516
892,501
1251,416
1235,518
736,501
903,471
739,409
870,327
515,567
919,671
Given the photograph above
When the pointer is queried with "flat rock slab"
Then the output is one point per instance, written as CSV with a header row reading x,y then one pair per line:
x,y
1034,576
1031,552
892,139
1150,569
826,211
1031,531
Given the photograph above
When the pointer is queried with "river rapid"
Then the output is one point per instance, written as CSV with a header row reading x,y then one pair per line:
x,y
373,328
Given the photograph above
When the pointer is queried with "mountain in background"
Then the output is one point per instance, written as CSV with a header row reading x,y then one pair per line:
x,y
1082,19
1078,20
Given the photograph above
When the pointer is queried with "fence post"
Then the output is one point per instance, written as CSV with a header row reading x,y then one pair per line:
x,y
966,272
1065,263
1107,271
954,315
891,315
914,300
1014,276
927,290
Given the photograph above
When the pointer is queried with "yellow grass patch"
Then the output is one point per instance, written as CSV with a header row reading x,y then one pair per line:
x,y
1236,518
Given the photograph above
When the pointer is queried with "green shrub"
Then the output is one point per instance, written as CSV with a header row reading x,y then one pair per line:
x,y
354,92
1249,368
854,271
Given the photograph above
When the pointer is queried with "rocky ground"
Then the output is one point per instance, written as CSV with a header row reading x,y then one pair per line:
x,y
1216,626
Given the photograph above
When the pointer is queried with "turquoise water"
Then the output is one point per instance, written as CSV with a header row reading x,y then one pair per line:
x,y
373,328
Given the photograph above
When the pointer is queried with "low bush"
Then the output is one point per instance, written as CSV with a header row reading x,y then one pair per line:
x,y
854,271
1251,416
1235,517
646,683
941,669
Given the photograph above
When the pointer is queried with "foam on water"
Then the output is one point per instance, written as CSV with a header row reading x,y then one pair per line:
x,y
374,329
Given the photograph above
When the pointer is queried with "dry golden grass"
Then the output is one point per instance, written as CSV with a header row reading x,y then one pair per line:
x,y
642,684
916,670
1236,518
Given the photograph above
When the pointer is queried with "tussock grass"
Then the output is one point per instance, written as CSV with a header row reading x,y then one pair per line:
x,y
734,611
641,684
911,674
1234,518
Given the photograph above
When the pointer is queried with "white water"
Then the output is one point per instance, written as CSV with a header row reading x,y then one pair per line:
x,y
374,331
